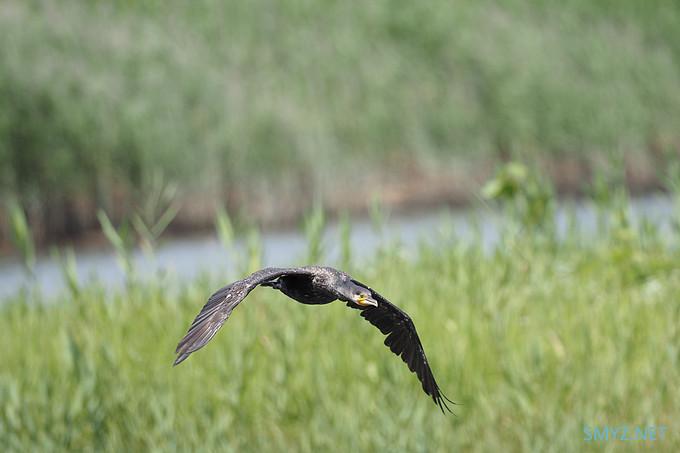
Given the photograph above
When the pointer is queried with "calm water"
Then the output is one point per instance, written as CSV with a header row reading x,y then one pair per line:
x,y
186,258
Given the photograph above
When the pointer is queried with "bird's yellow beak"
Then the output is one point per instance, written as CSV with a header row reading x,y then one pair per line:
x,y
366,301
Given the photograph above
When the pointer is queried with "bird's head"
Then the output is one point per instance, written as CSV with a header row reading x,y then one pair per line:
x,y
359,295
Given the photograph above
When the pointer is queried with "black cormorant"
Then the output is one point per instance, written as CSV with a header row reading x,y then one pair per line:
x,y
316,285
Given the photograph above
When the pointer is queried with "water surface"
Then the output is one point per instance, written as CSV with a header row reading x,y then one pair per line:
x,y
185,258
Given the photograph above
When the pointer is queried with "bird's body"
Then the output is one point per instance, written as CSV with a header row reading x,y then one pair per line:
x,y
317,290
317,285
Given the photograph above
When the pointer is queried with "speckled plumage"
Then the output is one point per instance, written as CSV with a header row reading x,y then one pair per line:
x,y
314,285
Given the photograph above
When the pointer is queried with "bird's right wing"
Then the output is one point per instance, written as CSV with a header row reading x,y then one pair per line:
x,y
403,341
220,305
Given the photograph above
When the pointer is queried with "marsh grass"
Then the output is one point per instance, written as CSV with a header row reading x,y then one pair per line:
x,y
21,236
95,95
534,339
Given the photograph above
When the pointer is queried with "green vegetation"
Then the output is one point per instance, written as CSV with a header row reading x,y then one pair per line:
x,y
535,340
113,112
21,236
252,99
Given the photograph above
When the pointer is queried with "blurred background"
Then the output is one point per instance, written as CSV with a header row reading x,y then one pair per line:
x,y
263,108
506,172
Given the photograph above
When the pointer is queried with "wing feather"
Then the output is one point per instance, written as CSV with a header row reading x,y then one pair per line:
x,y
402,339
219,306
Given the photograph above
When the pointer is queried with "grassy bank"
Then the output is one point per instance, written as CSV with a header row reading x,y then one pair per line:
x,y
254,99
536,340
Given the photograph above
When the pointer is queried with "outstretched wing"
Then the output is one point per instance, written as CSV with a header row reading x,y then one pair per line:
x,y
402,339
220,305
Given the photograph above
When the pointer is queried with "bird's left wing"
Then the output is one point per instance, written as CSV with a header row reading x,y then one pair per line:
x,y
220,305
403,340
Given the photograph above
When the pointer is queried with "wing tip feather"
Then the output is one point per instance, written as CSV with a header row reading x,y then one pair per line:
x,y
181,358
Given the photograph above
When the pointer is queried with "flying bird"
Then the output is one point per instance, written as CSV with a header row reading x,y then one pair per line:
x,y
316,285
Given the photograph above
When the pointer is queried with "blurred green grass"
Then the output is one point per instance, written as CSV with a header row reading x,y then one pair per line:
x,y
228,97
535,339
